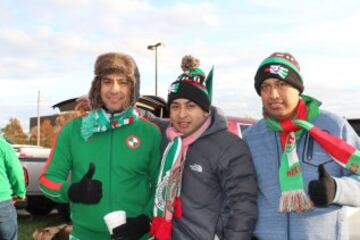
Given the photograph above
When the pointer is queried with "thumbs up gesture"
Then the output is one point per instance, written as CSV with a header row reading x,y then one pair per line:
x,y
86,191
322,191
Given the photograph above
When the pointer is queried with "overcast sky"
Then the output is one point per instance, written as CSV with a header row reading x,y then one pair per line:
x,y
51,45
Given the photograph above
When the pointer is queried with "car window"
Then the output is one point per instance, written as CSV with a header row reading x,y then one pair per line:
x,y
33,159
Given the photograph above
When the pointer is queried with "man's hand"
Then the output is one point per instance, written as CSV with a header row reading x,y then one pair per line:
x,y
322,191
120,233
19,202
86,191
133,229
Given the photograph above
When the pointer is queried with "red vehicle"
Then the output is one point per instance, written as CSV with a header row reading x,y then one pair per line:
x,y
238,125
157,106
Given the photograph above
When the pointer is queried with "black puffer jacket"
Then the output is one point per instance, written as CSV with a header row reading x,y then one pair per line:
x,y
219,187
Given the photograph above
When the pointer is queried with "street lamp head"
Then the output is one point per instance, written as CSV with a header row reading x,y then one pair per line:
x,y
153,47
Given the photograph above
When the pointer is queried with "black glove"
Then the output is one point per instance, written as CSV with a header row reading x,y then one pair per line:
x,y
133,229
322,191
86,191
120,233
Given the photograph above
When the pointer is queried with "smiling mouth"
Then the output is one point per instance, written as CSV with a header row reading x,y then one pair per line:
x,y
114,100
276,105
183,124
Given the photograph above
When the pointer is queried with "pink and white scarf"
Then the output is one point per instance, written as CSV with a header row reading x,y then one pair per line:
x,y
168,190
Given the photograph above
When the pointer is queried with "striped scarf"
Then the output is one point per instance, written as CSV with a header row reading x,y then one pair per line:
x,y
101,121
293,196
168,190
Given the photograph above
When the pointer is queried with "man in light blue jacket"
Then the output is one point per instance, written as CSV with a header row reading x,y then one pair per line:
x,y
306,159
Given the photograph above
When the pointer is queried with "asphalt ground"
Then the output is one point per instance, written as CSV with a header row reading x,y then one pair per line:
x,y
353,220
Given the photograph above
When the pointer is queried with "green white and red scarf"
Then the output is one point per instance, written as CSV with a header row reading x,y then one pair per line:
x,y
293,196
168,190
101,121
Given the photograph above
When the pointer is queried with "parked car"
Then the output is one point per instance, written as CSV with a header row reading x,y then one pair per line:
x,y
33,159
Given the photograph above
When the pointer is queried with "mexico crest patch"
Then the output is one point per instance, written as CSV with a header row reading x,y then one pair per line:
x,y
133,142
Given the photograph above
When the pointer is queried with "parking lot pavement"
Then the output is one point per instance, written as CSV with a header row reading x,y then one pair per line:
x,y
353,215
23,212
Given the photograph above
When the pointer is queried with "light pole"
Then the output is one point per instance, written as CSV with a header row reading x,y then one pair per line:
x,y
38,120
154,47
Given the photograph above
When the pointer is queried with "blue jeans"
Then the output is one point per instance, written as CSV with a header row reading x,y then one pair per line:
x,y
8,221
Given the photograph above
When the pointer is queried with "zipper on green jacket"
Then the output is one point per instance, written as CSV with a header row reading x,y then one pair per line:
x,y
110,165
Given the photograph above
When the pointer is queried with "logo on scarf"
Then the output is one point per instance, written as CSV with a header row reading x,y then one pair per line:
x,y
133,142
278,70
290,149
354,168
160,198
167,190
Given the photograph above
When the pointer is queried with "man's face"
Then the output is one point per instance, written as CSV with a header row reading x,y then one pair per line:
x,y
279,98
115,92
186,116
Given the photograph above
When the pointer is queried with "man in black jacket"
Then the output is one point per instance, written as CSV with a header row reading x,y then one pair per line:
x,y
205,171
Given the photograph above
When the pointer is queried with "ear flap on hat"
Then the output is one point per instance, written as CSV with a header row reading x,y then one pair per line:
x,y
209,83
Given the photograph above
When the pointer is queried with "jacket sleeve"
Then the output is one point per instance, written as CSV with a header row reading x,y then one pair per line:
x,y
53,177
14,171
348,186
238,179
154,165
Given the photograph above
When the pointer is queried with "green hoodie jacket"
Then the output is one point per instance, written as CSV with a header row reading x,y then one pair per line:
x,y
11,173
128,172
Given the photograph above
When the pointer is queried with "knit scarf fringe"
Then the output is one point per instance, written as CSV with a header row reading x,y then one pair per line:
x,y
296,201
178,207
160,228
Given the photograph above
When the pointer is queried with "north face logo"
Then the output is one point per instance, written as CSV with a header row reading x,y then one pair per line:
x,y
133,142
196,168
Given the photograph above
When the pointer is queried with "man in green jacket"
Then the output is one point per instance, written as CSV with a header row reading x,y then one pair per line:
x,y
12,185
111,154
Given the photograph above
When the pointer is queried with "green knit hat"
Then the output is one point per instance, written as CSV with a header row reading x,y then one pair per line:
x,y
282,66
192,84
